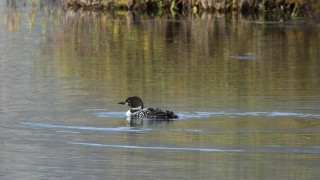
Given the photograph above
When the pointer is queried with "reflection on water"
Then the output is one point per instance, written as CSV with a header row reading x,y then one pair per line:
x,y
246,92
170,57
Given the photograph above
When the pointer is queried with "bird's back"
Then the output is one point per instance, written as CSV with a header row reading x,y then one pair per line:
x,y
154,113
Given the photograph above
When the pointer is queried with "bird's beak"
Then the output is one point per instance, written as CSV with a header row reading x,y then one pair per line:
x,y
123,102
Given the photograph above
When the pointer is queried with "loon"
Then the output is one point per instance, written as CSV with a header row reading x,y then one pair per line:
x,y
138,111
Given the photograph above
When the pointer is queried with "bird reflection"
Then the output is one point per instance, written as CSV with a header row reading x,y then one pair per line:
x,y
136,122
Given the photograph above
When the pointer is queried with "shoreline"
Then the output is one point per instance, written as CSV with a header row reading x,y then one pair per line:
x,y
283,8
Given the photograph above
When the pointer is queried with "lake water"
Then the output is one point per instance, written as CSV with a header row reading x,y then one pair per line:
x,y
247,93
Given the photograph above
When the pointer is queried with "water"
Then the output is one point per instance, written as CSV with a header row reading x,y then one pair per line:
x,y
247,94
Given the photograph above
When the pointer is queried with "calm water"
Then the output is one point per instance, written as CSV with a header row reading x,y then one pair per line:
x,y
247,93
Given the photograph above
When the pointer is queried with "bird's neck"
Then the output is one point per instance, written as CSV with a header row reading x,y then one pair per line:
x,y
137,108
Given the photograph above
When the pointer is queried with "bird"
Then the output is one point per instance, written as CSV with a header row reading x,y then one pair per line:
x,y
138,111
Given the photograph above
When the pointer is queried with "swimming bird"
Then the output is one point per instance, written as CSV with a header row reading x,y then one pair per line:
x,y
138,111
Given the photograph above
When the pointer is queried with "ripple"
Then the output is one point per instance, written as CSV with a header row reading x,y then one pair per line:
x,y
273,149
199,114
47,125
110,114
68,132
104,113
155,147
187,115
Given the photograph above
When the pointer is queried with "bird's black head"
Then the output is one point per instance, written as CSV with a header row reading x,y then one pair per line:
x,y
134,102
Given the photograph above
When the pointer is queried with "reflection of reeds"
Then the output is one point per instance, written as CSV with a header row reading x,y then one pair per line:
x,y
12,20
185,57
12,3
28,9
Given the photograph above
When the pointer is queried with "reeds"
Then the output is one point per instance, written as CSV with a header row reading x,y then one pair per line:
x,y
279,7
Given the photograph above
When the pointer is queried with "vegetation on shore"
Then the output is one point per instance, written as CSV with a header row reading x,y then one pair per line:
x,y
291,8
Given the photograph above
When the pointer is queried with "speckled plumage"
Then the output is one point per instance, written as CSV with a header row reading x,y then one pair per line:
x,y
154,113
138,111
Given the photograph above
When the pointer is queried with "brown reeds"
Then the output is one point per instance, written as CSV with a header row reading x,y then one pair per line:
x,y
279,7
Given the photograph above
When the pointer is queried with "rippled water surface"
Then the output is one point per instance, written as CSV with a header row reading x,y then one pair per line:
x,y
247,94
